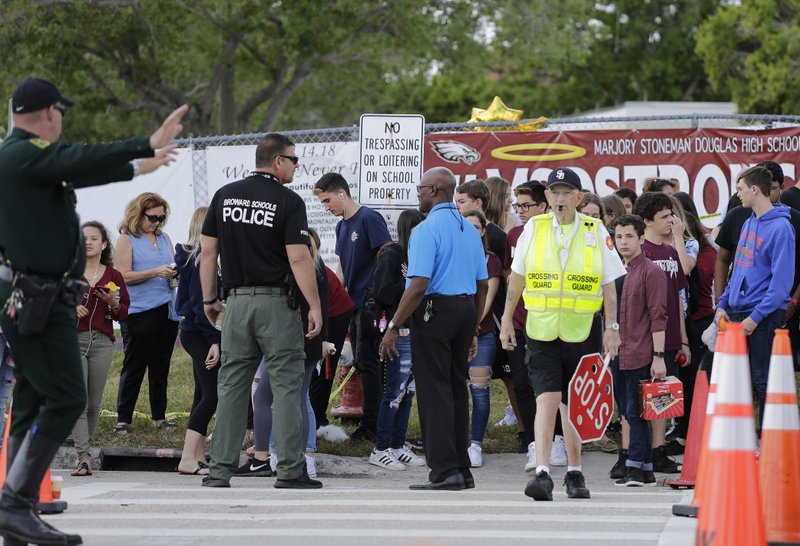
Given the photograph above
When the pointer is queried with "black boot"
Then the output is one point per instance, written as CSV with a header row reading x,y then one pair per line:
x,y
18,516
12,447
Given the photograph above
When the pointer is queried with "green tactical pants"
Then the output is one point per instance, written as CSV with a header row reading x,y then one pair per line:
x,y
49,395
256,326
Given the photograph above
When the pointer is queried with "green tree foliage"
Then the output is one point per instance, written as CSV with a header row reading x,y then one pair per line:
x,y
239,63
752,49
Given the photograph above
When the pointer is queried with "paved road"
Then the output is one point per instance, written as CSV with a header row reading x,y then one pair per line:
x,y
363,505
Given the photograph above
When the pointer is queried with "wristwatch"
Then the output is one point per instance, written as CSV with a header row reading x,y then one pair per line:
x,y
613,326
393,326
210,302
658,354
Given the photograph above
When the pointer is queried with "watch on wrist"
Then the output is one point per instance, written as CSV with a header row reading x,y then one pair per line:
x,y
210,302
613,326
393,326
658,354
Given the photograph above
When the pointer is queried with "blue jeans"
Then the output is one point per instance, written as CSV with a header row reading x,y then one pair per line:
x,y
759,345
640,450
395,407
487,345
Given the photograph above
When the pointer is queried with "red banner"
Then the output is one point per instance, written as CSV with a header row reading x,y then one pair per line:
x,y
704,162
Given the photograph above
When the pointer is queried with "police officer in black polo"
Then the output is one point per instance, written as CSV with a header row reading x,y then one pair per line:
x,y
447,283
43,258
259,227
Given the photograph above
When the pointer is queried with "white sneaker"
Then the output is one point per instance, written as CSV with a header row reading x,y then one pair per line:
x,y
475,453
311,466
558,452
407,457
273,462
385,459
509,419
530,466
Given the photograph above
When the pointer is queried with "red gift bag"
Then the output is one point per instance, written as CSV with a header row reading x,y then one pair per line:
x,y
661,398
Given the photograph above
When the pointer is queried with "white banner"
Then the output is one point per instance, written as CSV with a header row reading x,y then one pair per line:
x,y
106,204
230,163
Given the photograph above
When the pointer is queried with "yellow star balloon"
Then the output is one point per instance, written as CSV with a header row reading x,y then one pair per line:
x,y
498,111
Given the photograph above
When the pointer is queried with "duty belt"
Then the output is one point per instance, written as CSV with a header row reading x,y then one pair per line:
x,y
260,291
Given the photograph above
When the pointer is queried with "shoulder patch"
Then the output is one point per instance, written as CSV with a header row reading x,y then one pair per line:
x,y
40,143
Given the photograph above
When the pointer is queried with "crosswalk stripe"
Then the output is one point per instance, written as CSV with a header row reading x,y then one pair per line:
x,y
403,503
369,533
356,516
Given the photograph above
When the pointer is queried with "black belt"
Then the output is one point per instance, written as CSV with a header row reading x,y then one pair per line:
x,y
434,296
260,291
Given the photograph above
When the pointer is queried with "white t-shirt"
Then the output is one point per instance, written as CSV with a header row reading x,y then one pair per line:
x,y
612,264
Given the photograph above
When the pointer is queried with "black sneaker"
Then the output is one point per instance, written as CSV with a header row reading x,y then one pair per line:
x,y
634,477
540,488
618,470
302,482
576,485
664,463
673,447
649,478
255,467
362,434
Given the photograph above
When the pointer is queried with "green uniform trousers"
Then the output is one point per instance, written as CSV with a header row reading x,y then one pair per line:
x,y
256,326
49,395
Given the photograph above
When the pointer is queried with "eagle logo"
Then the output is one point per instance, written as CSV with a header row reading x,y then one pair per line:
x,y
454,151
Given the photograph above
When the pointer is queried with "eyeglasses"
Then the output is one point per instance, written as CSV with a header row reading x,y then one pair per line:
x,y
523,207
61,108
155,219
293,158
420,186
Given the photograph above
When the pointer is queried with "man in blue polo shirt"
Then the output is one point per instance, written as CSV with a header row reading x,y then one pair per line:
x,y
446,282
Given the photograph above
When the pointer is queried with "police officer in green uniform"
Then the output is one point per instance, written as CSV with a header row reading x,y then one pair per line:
x,y
42,263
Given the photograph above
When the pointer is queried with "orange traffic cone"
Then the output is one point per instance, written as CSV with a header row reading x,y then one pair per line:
x,y
692,509
731,505
694,439
351,405
779,463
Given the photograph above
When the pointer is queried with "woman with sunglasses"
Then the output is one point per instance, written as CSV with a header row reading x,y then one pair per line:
x,y
145,259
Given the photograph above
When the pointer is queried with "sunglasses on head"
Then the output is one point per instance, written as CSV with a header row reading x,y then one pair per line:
x,y
293,158
156,219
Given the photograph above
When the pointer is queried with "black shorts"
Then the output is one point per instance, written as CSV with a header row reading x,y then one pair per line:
x,y
551,364
501,367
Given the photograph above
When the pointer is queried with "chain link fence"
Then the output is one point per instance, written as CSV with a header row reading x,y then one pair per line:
x,y
198,145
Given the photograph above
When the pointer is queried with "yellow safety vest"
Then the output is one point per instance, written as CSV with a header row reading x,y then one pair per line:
x,y
561,302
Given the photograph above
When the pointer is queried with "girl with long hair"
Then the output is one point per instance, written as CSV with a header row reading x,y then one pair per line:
x,y
202,341
388,284
480,367
106,301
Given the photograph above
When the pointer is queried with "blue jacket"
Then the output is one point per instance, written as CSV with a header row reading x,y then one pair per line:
x,y
189,301
763,266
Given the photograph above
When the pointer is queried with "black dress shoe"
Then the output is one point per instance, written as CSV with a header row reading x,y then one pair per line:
x,y
451,483
303,482
469,480
210,481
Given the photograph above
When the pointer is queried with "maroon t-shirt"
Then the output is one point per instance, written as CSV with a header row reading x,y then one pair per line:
x,y
495,269
100,316
520,314
666,257
705,267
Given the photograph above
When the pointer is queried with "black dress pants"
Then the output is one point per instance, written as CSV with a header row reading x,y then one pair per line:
x,y
439,348
151,339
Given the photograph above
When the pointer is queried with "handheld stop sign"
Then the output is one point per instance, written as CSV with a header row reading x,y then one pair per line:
x,y
591,397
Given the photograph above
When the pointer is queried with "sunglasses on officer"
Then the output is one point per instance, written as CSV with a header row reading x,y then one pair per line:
x,y
293,158
155,219
61,108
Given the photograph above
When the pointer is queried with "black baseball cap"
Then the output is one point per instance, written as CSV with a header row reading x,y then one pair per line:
x,y
564,176
37,94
